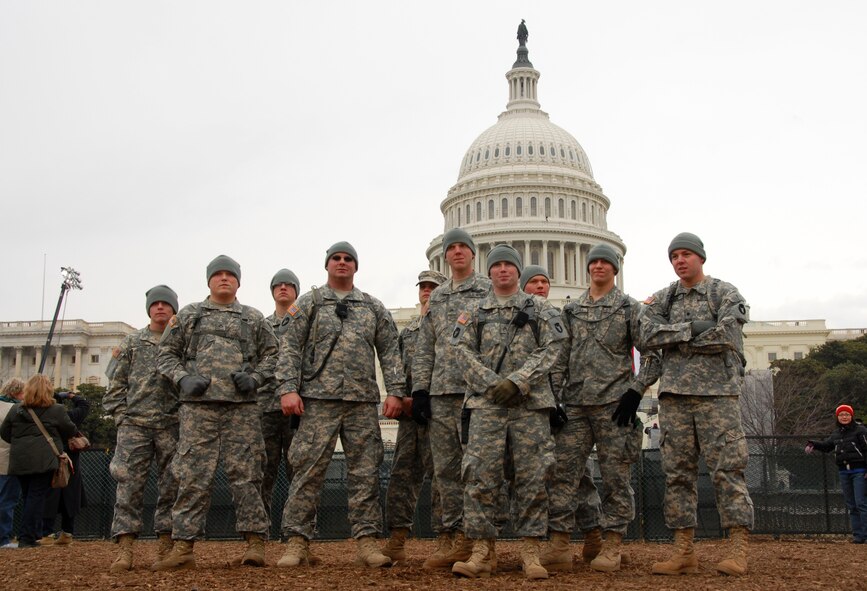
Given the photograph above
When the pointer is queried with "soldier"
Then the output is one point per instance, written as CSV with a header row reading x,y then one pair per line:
x,y
599,387
588,513
218,352
327,376
508,343
697,322
438,390
144,406
412,461
277,430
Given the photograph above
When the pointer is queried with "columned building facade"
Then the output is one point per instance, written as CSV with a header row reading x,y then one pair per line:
x,y
528,183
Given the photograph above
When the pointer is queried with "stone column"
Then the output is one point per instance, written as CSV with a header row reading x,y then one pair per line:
x,y
77,378
544,261
38,357
527,259
58,356
19,351
562,261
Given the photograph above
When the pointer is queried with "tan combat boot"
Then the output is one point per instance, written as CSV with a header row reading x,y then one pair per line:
x,y
479,563
164,546
736,563
123,562
63,539
395,547
254,555
683,561
462,548
297,552
592,544
558,554
181,557
369,554
439,559
530,560
608,560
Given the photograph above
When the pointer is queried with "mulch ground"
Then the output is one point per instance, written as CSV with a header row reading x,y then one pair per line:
x,y
790,565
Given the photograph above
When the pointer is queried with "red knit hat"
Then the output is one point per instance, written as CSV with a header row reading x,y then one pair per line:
x,y
844,408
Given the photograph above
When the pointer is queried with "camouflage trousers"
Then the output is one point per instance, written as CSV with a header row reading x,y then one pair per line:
x,y
412,463
528,434
323,421
710,425
448,453
211,432
278,437
616,448
588,505
135,449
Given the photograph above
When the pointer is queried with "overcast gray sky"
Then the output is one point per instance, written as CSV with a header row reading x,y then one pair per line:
x,y
138,140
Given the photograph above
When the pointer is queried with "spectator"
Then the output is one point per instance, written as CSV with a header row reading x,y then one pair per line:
x,y
10,490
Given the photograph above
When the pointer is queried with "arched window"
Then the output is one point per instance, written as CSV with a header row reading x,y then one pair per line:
x,y
497,152
541,150
478,211
533,207
530,149
583,211
572,208
518,150
592,214
490,209
478,155
561,208
468,213
508,150
504,208
547,207
459,217
519,207
487,153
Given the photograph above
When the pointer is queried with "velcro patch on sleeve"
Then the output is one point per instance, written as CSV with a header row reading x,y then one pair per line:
x,y
650,300
293,310
115,352
463,318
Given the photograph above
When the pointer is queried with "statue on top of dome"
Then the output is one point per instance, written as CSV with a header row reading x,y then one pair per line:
x,y
523,33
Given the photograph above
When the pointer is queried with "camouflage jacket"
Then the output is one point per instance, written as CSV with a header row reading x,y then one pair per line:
x,y
137,393
408,342
597,362
214,341
324,357
485,337
711,363
436,366
266,396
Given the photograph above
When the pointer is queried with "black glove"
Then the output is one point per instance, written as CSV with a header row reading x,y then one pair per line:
x,y
506,393
557,417
194,385
244,382
699,326
624,415
421,413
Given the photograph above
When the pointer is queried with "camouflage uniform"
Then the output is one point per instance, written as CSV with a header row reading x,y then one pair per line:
x,y
436,368
213,341
276,427
144,405
598,371
412,461
701,380
484,335
331,364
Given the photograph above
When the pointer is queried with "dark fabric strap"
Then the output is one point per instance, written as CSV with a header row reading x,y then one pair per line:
x,y
44,432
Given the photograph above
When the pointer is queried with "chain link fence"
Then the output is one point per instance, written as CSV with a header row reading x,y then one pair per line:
x,y
793,493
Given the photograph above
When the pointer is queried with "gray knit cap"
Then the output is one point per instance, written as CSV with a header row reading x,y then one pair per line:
x,y
458,235
224,263
504,252
161,293
341,246
288,277
605,253
531,271
688,241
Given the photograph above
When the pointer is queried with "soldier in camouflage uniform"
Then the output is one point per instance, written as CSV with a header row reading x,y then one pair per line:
x,y
277,430
412,461
586,502
601,395
438,389
327,376
218,352
508,343
144,406
697,322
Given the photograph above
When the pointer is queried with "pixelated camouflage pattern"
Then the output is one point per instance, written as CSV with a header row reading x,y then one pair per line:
x,y
447,452
709,364
710,425
135,449
266,394
277,434
323,421
137,393
436,366
526,362
588,505
230,337
599,364
211,432
529,437
349,373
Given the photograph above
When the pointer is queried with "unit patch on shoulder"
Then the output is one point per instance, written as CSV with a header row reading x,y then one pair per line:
x,y
649,300
293,310
463,318
115,352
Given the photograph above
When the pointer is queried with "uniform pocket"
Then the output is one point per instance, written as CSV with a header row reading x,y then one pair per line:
x,y
734,452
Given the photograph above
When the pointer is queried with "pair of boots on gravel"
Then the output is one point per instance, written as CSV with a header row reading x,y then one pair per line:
x,y
602,555
178,554
297,553
684,560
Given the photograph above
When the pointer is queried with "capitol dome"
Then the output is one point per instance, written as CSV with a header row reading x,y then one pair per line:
x,y
526,182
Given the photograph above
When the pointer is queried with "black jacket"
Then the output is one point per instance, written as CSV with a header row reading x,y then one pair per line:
x,y
30,453
849,444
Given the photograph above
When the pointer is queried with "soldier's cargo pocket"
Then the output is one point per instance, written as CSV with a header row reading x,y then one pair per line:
x,y
734,452
632,445
301,445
